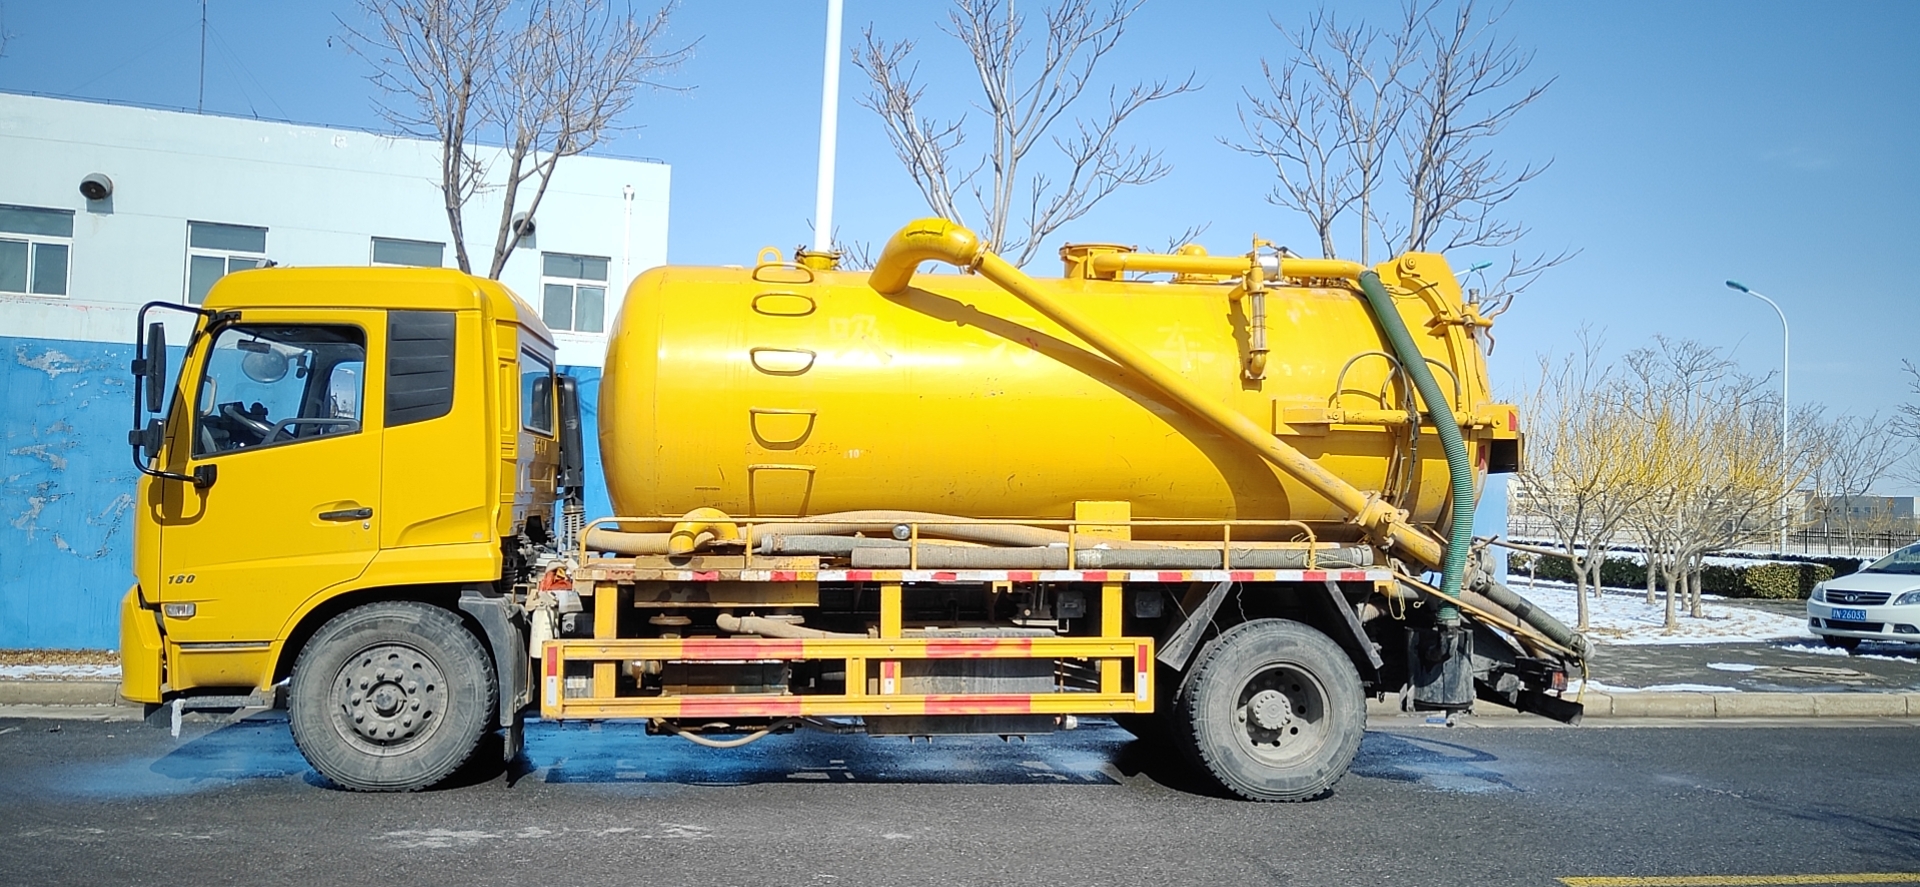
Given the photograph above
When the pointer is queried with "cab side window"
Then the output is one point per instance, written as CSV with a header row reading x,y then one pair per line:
x,y
536,394
267,385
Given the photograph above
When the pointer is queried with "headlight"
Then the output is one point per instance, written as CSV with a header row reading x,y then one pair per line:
x,y
1911,597
1820,592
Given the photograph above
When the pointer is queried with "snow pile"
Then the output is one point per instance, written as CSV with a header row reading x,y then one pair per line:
x,y
1576,685
1868,650
51,672
1624,617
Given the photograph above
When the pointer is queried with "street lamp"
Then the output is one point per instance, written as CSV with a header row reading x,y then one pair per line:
x,y
1784,351
829,126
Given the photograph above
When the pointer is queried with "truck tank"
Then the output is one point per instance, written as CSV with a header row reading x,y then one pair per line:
x,y
783,390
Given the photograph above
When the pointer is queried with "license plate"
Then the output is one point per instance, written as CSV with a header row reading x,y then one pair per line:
x,y
1849,615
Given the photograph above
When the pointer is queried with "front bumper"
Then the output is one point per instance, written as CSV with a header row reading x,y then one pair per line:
x,y
1883,623
140,650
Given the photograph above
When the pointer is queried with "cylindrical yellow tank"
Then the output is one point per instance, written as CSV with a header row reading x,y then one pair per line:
x,y
779,391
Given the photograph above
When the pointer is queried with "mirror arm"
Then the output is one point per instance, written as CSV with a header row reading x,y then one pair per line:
x,y
145,364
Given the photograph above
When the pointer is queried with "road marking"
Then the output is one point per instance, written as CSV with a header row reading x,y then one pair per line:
x,y
1746,880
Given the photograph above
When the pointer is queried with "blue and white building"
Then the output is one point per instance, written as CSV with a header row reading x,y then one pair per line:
x,y
175,200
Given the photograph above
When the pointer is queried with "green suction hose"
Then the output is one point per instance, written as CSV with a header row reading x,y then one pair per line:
x,y
1440,409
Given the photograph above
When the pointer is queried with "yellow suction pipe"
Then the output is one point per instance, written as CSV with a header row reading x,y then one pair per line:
x,y
944,241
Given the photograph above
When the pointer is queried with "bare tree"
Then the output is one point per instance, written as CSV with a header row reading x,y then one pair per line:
x,y
1907,424
1024,98
1861,452
551,83
1332,110
1723,476
1432,91
1584,475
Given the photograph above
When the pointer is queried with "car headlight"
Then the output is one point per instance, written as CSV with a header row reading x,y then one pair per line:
x,y
1820,592
1911,597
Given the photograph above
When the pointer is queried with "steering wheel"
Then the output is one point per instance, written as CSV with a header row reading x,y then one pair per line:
x,y
233,414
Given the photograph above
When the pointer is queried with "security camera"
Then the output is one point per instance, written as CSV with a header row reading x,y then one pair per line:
x,y
96,187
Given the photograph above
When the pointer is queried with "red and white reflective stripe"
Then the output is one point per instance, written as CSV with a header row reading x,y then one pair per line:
x,y
889,673
975,576
551,686
1044,575
1142,665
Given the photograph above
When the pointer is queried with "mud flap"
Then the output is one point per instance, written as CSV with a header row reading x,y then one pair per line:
x,y
498,617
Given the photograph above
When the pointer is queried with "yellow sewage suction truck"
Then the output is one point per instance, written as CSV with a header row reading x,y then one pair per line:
x,y
1219,499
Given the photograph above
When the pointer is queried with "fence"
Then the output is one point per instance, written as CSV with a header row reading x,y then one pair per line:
x,y
1814,540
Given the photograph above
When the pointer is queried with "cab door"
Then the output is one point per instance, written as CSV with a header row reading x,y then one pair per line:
x,y
285,412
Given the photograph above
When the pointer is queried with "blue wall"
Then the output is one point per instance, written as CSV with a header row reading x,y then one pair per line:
x,y
66,492
588,379
67,486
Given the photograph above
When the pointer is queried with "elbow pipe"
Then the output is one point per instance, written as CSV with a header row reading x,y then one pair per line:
x,y
700,528
922,240
942,240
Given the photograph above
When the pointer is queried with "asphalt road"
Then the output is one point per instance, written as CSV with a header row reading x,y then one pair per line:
x,y
119,803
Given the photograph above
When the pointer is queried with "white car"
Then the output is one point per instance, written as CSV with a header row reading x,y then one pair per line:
x,y
1879,603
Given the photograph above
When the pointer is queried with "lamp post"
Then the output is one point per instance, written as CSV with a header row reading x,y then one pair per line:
x,y
829,123
1784,377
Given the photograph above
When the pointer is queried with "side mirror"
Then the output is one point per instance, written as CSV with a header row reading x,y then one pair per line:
x,y
154,370
147,440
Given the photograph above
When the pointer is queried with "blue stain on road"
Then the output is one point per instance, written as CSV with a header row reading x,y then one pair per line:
x,y
260,750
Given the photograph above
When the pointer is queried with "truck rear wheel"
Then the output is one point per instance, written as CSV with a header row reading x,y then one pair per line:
x,y
390,697
1273,711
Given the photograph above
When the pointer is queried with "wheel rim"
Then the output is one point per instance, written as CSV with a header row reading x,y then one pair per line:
x,y
1282,713
388,697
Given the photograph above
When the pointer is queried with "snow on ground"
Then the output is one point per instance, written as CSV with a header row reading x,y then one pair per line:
x,y
1865,651
1622,616
59,672
1576,685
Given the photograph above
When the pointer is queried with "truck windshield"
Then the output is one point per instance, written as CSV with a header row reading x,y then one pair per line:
x,y
1905,561
274,384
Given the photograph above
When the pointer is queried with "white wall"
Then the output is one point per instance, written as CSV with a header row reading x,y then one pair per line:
x,y
321,193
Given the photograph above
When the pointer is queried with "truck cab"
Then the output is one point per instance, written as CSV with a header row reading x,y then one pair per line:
x,y
333,437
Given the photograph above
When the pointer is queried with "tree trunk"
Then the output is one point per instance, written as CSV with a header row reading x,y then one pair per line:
x,y
1579,589
1673,619
1694,581
1652,585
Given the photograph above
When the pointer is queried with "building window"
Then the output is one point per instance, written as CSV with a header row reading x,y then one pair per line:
x,y
575,292
408,253
214,251
35,245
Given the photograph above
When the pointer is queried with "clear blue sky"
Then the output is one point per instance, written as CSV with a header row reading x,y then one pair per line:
x,y
1691,143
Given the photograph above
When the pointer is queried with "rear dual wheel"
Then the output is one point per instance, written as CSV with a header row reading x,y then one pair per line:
x,y
393,696
1272,710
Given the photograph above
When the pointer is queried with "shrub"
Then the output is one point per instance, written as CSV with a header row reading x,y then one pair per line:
x,y
1773,581
1722,580
1777,581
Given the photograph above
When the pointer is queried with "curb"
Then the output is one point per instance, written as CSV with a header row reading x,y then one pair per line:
x,y
1704,706
61,693
1598,705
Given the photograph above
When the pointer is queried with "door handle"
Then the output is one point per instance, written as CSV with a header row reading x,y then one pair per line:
x,y
347,515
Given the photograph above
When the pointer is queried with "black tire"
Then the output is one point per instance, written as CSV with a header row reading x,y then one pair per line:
x,y
1273,711
391,697
1843,643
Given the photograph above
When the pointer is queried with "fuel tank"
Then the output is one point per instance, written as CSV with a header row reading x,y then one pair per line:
x,y
783,390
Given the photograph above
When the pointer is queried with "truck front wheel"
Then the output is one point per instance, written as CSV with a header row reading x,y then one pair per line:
x,y
392,696
1273,711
